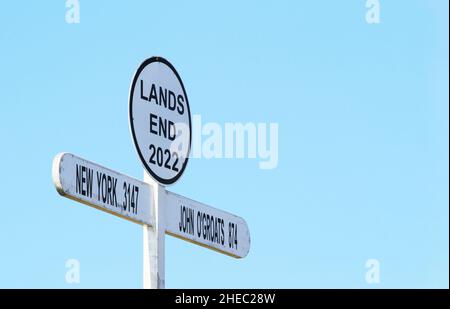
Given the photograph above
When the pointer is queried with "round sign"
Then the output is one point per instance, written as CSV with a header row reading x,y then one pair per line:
x,y
160,120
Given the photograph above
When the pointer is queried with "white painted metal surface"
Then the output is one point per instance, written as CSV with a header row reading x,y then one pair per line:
x,y
206,226
102,188
160,120
154,239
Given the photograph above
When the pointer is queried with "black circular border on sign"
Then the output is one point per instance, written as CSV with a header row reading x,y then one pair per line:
x,y
130,103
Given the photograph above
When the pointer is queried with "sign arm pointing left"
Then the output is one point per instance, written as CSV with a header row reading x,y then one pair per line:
x,y
102,188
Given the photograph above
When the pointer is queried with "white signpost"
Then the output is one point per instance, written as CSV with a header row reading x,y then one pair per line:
x,y
160,124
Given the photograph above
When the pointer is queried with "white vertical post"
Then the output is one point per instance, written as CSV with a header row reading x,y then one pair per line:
x,y
154,275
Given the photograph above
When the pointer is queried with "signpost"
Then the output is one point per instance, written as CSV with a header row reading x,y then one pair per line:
x,y
160,125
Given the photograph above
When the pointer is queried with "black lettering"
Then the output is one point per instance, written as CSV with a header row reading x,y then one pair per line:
x,y
83,179
114,194
163,97
222,233
174,166
172,101
159,156
186,224
153,94
104,188
99,180
180,107
142,91
172,132
78,179
216,231
166,164
191,221
232,236
152,154
83,182
204,225
89,174
162,127
180,224
109,197
137,199
199,224
153,123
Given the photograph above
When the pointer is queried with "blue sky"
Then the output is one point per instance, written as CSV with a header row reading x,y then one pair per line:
x,y
363,139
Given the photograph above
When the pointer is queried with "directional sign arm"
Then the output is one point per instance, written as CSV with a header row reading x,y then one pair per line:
x,y
102,188
206,226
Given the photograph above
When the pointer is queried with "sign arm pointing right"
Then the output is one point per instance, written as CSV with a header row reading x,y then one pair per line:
x,y
206,226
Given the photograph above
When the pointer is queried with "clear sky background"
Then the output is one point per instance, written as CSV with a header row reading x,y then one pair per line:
x,y
363,139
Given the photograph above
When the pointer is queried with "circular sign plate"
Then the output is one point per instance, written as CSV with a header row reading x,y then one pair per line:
x,y
160,120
